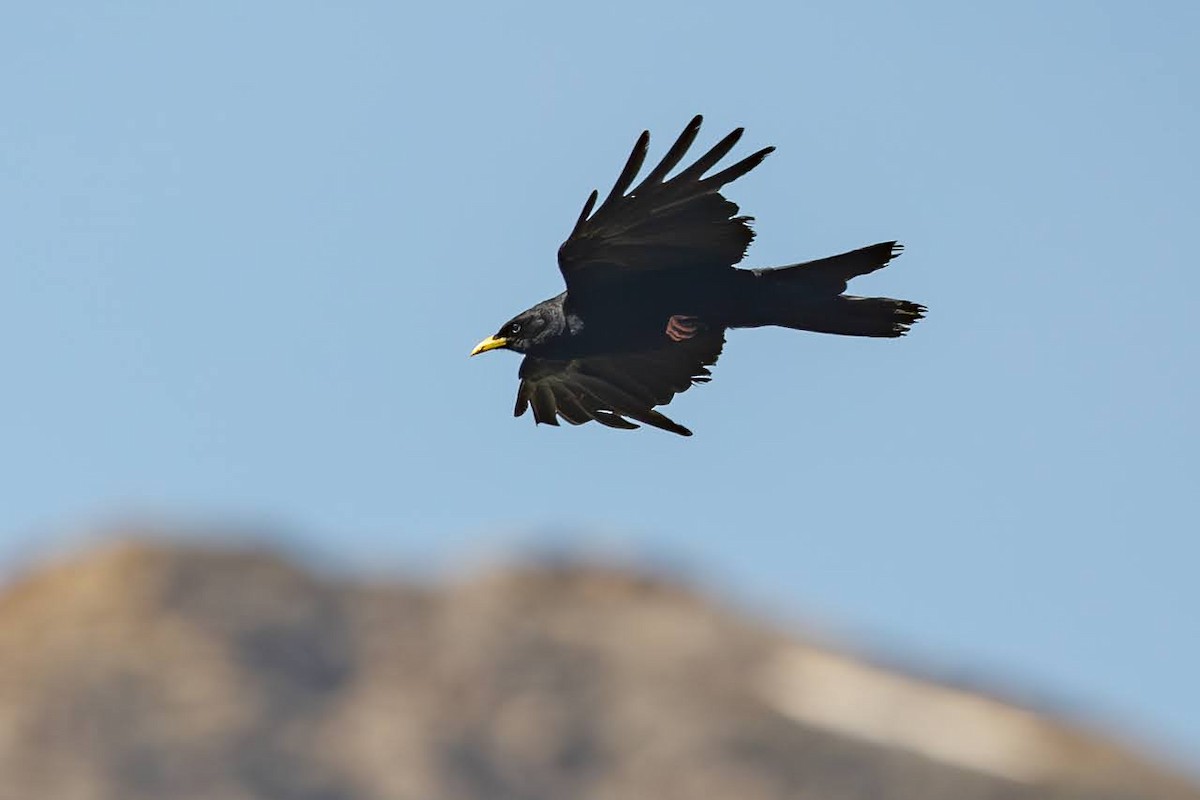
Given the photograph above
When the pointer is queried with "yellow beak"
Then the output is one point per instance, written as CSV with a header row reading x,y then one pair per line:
x,y
490,343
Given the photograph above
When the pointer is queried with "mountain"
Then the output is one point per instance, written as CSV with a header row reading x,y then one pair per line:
x,y
148,671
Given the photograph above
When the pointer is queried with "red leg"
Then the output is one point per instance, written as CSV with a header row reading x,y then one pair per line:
x,y
681,327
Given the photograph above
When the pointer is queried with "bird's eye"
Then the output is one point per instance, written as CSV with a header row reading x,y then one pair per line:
x,y
514,328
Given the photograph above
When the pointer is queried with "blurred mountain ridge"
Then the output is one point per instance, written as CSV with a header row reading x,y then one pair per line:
x,y
149,670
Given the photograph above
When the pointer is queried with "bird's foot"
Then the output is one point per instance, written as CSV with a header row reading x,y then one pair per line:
x,y
681,327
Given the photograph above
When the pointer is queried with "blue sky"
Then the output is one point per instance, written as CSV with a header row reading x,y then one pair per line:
x,y
248,246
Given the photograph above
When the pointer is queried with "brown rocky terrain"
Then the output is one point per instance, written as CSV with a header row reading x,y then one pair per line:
x,y
156,671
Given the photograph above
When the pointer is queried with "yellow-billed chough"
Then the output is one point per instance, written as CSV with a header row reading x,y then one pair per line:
x,y
651,289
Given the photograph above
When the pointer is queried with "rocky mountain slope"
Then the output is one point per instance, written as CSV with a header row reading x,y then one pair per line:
x,y
150,671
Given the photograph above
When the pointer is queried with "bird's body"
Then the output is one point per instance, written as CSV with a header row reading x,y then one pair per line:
x,y
651,289
637,321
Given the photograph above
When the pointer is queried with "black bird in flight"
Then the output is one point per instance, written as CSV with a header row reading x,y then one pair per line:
x,y
651,289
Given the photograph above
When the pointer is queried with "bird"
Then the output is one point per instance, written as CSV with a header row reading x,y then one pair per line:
x,y
651,289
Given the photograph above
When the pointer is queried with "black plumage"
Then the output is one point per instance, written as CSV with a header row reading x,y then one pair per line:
x,y
652,288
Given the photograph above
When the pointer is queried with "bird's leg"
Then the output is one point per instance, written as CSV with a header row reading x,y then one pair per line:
x,y
681,327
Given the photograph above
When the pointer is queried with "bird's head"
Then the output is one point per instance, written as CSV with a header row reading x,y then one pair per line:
x,y
522,333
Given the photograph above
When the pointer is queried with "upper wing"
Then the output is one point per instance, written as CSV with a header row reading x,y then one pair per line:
x,y
661,224
611,387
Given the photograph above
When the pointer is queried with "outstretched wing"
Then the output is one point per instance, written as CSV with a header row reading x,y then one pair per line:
x,y
610,388
661,224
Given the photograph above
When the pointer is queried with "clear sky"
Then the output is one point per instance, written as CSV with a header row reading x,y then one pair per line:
x,y
246,248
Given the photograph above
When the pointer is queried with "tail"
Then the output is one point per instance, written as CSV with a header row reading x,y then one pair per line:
x,y
809,296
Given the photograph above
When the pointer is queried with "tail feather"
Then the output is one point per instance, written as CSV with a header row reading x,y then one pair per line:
x,y
835,272
856,316
809,297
